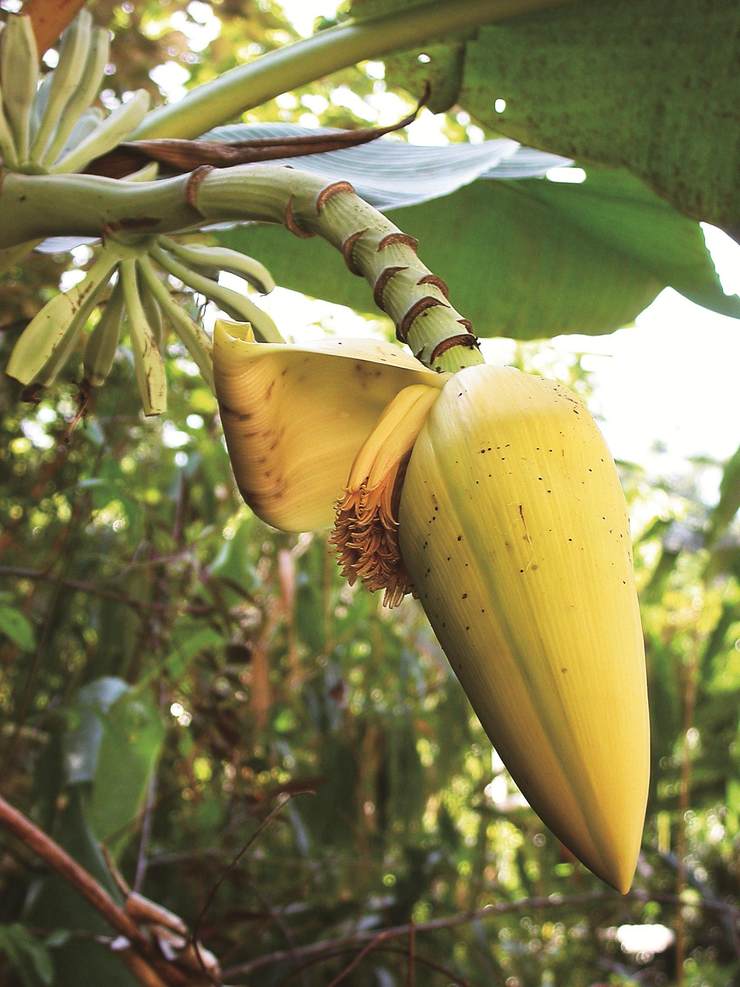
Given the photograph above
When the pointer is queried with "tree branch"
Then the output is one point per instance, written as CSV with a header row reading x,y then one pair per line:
x,y
142,959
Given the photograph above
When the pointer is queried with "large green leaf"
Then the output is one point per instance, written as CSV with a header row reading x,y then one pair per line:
x,y
650,85
529,258
114,747
133,733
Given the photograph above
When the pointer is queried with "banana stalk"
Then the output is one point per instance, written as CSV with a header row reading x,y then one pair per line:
x,y
490,495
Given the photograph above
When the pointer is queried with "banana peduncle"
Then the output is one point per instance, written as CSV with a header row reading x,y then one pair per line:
x,y
403,287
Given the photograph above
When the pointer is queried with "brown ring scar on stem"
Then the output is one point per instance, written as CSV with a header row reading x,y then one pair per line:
x,y
292,224
193,184
417,309
331,190
437,282
398,237
464,339
383,278
348,245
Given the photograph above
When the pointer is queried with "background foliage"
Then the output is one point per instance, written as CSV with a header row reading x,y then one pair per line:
x,y
170,669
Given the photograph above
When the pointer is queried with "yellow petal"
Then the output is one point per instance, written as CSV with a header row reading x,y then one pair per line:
x,y
294,417
514,530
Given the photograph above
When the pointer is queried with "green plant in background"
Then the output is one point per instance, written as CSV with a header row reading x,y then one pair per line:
x,y
276,678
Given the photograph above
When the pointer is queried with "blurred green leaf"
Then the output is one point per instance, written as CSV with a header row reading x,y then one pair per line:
x,y
133,733
114,748
27,954
82,743
15,626
728,504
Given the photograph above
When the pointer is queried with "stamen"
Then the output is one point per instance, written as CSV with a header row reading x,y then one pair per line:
x,y
366,537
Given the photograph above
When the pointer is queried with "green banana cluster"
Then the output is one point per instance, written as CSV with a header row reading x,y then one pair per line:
x,y
51,126
128,284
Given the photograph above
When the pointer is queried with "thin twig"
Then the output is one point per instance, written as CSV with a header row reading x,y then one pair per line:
x,y
18,572
150,969
356,960
146,832
454,979
463,918
283,801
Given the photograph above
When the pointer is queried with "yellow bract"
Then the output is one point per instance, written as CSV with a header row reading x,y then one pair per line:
x,y
295,416
514,530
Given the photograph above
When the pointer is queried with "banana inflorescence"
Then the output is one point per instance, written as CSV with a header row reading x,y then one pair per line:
x,y
490,494
52,127
128,284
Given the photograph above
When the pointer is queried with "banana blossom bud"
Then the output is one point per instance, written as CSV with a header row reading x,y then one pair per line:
x,y
491,495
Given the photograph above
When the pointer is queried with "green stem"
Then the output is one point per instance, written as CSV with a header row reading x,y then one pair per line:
x,y
279,71
372,246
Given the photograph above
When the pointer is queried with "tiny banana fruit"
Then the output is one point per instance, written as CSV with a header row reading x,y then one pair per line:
x,y
190,333
490,494
232,302
19,75
48,339
101,346
222,259
7,143
81,98
63,80
114,128
152,311
148,363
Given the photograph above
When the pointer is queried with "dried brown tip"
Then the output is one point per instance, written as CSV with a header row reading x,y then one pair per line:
x,y
366,537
